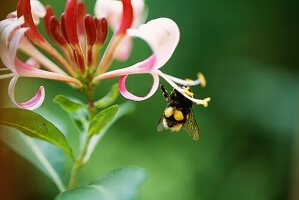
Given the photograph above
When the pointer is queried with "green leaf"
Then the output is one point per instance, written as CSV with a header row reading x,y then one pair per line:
x,y
67,103
110,97
120,184
34,125
124,109
46,157
103,118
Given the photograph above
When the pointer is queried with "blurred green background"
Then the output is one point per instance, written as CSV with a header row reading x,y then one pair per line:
x,y
249,145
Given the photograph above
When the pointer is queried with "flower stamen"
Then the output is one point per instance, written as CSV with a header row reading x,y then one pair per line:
x,y
202,79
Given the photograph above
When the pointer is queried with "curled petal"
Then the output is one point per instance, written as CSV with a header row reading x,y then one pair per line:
x,y
14,44
143,67
162,35
24,9
31,104
9,41
125,93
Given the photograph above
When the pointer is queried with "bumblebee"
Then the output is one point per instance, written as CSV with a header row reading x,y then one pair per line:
x,y
178,113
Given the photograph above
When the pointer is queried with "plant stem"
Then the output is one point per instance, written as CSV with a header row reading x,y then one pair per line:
x,y
78,165
79,162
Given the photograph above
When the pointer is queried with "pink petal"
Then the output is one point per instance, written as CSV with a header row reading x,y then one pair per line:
x,y
143,67
26,70
31,104
162,35
125,93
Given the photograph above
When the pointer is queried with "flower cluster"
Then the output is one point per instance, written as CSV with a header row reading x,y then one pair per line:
x,y
81,61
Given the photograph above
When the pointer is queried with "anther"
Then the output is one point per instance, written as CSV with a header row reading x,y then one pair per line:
x,y
202,80
206,101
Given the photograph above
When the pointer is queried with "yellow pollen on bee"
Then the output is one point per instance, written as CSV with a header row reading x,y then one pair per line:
x,y
202,79
178,115
188,92
168,112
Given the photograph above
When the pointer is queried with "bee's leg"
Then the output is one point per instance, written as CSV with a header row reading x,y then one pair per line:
x,y
164,91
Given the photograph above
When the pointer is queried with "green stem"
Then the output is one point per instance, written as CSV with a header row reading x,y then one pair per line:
x,y
78,165
79,162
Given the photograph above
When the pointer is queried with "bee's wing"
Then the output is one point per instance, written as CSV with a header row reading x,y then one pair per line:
x,y
191,126
160,126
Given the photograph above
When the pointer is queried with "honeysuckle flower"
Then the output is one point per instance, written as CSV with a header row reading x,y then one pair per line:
x,y
112,11
81,38
162,35
11,36
38,11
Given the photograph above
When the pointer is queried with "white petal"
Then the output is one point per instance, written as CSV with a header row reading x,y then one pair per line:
x,y
112,11
38,11
203,102
7,48
162,35
14,45
31,104
183,82
109,9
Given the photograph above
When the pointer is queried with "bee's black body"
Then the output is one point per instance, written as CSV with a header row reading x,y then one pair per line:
x,y
178,113
179,102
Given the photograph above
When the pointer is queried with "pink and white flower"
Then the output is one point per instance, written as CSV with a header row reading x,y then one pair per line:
x,y
162,35
81,38
12,37
112,11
